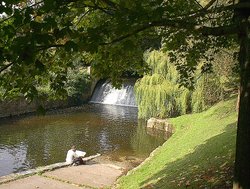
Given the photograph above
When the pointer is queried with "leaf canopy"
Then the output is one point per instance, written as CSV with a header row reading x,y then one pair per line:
x,y
35,34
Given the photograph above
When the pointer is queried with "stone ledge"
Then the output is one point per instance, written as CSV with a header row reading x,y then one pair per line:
x,y
15,176
39,170
160,124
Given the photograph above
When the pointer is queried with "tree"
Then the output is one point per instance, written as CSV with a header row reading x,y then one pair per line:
x,y
158,93
36,35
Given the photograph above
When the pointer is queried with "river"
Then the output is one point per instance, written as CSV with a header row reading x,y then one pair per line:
x,y
114,131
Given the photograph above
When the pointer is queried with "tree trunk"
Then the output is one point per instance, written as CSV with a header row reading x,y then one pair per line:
x,y
242,159
238,102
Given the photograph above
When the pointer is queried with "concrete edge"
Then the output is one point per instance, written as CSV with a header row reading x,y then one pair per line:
x,y
30,172
39,170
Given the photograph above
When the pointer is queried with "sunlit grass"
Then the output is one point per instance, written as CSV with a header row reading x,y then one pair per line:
x,y
200,154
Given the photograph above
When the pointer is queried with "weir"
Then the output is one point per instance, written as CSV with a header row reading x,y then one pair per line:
x,y
105,93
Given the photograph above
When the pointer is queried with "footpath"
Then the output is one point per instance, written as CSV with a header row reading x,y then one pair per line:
x,y
61,176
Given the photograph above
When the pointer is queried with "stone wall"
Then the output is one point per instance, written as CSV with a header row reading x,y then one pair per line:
x,y
21,106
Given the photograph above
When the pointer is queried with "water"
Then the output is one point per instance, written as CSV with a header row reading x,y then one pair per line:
x,y
33,141
105,93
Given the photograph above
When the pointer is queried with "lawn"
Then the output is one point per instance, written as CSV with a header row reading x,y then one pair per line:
x,y
200,154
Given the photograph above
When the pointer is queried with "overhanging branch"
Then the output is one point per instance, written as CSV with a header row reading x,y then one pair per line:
x,y
128,35
45,47
6,66
180,24
11,16
217,31
209,4
208,10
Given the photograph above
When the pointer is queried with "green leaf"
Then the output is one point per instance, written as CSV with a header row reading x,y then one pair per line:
x,y
40,66
70,46
18,19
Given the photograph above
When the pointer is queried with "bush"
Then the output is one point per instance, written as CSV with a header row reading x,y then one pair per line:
x,y
78,83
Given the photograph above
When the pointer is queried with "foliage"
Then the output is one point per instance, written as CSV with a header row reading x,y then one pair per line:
x,y
75,83
200,154
114,61
158,94
216,85
37,36
78,82
38,39
56,82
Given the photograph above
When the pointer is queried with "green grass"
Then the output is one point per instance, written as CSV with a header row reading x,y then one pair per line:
x,y
200,154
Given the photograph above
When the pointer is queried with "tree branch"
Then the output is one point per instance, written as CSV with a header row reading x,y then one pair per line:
x,y
209,4
6,66
110,3
128,35
35,4
180,24
217,31
101,9
97,7
40,48
206,10
81,17
44,47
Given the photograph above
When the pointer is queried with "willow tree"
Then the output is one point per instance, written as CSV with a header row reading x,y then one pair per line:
x,y
158,93
33,33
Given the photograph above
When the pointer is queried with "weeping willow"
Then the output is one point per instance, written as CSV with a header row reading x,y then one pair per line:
x,y
158,93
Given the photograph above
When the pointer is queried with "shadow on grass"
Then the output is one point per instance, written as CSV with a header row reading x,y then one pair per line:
x,y
209,166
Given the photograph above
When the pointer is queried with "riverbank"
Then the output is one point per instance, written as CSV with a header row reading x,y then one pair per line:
x,y
98,172
22,107
200,154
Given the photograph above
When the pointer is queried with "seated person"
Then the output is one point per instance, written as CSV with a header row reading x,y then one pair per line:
x,y
74,156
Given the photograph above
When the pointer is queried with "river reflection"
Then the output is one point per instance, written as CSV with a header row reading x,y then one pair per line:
x,y
34,141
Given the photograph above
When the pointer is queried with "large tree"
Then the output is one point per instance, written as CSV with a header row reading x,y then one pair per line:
x,y
37,38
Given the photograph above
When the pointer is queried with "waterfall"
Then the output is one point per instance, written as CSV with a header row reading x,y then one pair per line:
x,y
105,93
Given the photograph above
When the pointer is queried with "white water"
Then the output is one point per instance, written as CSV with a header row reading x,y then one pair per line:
x,y
105,93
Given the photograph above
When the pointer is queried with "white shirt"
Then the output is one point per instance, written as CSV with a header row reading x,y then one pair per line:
x,y
70,156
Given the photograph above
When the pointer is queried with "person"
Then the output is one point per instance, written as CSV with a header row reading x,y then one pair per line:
x,y
71,155
74,157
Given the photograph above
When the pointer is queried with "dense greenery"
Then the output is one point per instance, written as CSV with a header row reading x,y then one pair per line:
x,y
78,83
75,83
200,154
159,93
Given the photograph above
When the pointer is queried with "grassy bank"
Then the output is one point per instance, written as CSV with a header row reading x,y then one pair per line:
x,y
199,155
